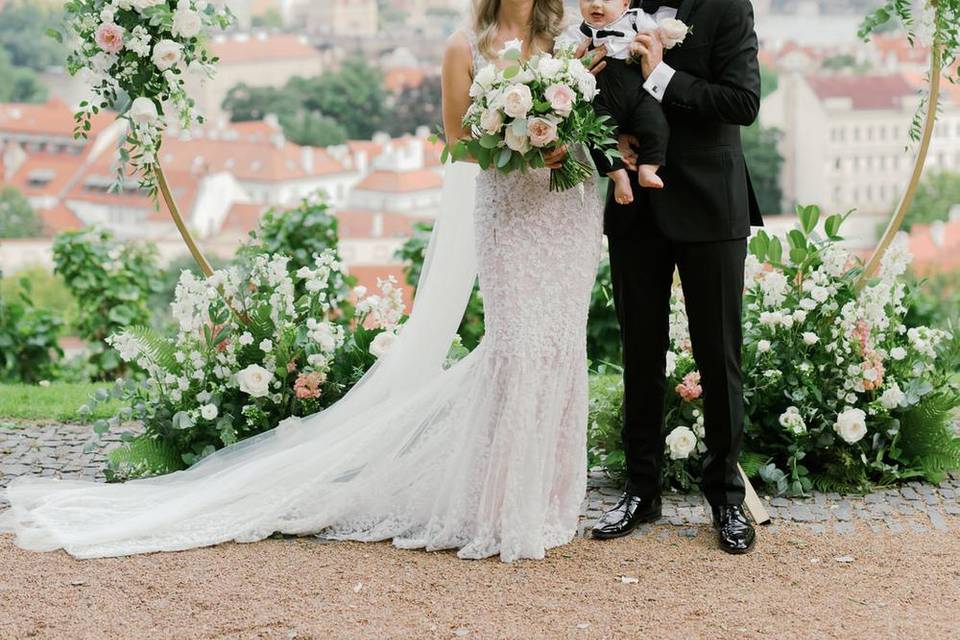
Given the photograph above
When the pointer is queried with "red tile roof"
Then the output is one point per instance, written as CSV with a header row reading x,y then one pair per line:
x,y
936,250
360,224
401,182
46,174
874,92
59,219
244,49
398,79
53,118
243,218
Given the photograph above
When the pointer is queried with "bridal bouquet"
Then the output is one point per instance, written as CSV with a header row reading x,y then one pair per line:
x,y
529,108
249,353
136,56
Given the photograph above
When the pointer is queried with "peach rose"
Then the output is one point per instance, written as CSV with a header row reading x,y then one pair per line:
x,y
561,98
542,132
109,37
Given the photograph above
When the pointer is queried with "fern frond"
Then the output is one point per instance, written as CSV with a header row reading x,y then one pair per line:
x,y
752,463
142,457
928,437
159,349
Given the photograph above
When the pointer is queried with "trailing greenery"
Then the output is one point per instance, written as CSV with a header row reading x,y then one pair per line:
x,y
113,283
17,217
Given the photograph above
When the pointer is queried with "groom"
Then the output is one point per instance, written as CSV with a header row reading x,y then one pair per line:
x,y
699,223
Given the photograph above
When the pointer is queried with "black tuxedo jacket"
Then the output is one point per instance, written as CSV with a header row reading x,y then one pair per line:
x,y
716,89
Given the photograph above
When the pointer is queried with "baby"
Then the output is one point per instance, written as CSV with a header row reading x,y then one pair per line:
x,y
622,96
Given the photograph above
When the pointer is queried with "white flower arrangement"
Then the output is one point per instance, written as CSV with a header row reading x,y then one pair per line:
x,y
143,49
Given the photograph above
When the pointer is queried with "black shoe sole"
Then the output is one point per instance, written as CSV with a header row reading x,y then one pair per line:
x,y
598,535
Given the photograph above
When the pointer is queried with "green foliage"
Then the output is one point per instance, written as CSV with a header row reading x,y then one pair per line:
x,y
765,163
928,439
603,330
17,218
313,129
28,338
845,62
19,84
934,300
23,28
415,107
48,291
113,284
604,422
769,81
144,456
301,234
352,97
936,196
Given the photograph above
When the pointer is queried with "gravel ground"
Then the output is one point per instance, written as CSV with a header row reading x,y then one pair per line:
x,y
796,584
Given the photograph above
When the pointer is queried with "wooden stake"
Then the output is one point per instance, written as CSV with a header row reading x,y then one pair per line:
x,y
753,502
936,61
178,220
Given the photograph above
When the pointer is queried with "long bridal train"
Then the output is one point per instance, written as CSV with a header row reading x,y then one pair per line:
x,y
487,456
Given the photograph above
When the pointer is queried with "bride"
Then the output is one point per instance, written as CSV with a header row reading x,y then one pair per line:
x,y
487,457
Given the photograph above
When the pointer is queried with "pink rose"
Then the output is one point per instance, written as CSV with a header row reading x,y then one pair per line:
x,y
109,37
561,98
690,388
542,132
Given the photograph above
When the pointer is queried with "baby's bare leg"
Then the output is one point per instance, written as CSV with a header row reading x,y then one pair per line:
x,y
622,191
648,177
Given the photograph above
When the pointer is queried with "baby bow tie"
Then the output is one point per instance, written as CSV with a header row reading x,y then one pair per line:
x,y
599,34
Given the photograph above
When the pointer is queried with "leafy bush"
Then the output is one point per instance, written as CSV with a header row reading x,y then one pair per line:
x,y
113,284
249,353
48,291
840,393
28,338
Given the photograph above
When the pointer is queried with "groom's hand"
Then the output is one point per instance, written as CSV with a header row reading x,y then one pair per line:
x,y
648,48
553,159
627,146
594,60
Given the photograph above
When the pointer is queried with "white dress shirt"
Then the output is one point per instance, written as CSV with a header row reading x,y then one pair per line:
x,y
662,74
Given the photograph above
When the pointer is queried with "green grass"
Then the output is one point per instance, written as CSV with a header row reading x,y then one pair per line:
x,y
59,401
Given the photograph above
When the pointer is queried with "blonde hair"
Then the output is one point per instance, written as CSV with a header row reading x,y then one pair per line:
x,y
546,24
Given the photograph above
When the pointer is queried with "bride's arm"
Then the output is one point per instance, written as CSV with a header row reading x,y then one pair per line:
x,y
456,79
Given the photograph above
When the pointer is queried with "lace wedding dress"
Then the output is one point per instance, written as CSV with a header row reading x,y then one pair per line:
x,y
488,456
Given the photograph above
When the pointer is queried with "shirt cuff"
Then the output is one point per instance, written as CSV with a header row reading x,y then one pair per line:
x,y
656,84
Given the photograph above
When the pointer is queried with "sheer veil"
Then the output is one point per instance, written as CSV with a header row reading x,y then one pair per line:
x,y
258,486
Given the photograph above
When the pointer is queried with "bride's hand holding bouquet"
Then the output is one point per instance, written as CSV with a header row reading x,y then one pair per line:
x,y
525,116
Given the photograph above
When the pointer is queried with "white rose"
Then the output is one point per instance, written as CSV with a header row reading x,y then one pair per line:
x,y
209,411
383,343
810,338
820,294
186,23
254,381
792,421
893,397
672,32
143,111
808,304
492,121
167,54
517,101
851,425
245,339
681,442
486,76
763,346
516,136
898,353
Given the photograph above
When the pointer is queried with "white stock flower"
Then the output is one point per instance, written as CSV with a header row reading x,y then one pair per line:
x,y
671,363
143,111
763,346
898,353
810,338
254,381
167,54
383,343
681,442
893,397
774,286
851,425
266,346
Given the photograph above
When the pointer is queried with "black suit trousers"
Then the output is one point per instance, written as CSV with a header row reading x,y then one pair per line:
x,y
711,274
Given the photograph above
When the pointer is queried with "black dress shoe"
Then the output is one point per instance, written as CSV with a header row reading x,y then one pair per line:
x,y
735,531
630,512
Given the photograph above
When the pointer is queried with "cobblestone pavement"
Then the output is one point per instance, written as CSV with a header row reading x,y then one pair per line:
x,y
51,449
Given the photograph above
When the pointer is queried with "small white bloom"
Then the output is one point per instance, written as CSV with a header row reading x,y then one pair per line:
x,y
851,425
810,338
266,346
898,353
245,339
681,443
209,411
671,363
763,346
